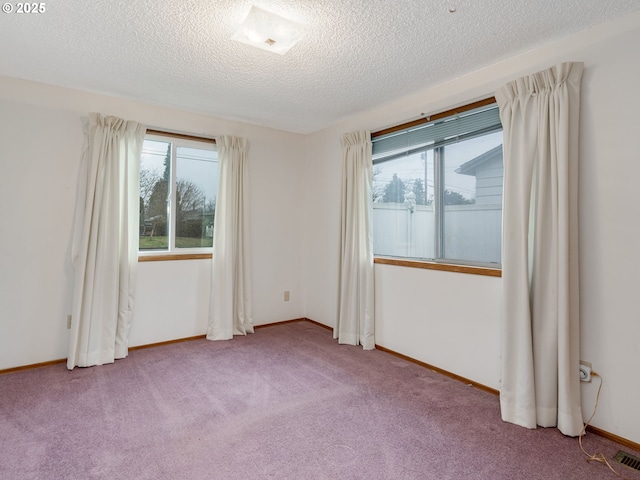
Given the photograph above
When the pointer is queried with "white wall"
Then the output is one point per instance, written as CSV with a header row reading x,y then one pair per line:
x,y
445,319
452,320
40,145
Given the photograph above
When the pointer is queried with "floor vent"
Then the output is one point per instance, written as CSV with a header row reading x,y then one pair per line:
x,y
628,460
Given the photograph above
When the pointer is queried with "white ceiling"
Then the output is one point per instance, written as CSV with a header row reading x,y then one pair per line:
x,y
356,53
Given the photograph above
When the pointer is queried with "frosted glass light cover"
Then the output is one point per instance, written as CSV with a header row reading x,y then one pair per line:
x,y
268,31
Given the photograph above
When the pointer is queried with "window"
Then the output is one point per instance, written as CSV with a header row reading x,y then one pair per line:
x,y
437,188
178,189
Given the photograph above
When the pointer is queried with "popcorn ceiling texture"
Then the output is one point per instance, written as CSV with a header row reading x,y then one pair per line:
x,y
356,53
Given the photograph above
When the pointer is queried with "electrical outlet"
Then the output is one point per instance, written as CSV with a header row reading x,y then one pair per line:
x,y
286,295
585,371
68,322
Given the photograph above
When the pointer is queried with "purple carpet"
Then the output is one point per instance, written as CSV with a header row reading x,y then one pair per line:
x,y
284,403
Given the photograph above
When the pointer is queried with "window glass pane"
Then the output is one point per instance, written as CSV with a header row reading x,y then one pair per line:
x,y
472,218
155,178
403,210
196,191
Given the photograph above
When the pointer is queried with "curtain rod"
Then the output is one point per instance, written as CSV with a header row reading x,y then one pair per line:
x,y
185,136
433,117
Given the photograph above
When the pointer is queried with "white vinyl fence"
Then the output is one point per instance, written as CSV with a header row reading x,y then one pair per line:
x,y
471,232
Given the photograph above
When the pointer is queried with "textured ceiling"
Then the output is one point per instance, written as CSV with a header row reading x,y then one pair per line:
x,y
356,53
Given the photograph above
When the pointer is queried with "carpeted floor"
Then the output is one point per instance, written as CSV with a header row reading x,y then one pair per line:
x,y
284,403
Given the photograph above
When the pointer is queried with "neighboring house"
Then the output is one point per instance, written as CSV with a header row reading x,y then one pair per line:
x,y
488,170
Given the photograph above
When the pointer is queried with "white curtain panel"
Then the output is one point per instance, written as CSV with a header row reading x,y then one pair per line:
x,y
230,309
105,241
540,326
355,323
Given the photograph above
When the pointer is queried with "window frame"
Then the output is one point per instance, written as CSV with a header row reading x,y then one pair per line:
x,y
441,264
196,253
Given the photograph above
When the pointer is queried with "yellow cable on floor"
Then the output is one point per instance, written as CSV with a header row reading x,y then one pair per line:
x,y
596,457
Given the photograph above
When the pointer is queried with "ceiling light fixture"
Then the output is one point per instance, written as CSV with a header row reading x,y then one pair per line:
x,y
268,31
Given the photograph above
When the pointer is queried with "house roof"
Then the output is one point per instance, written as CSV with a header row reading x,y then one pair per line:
x,y
470,167
355,55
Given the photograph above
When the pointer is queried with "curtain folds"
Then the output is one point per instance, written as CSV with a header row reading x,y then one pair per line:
x,y
105,241
230,308
355,322
540,330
